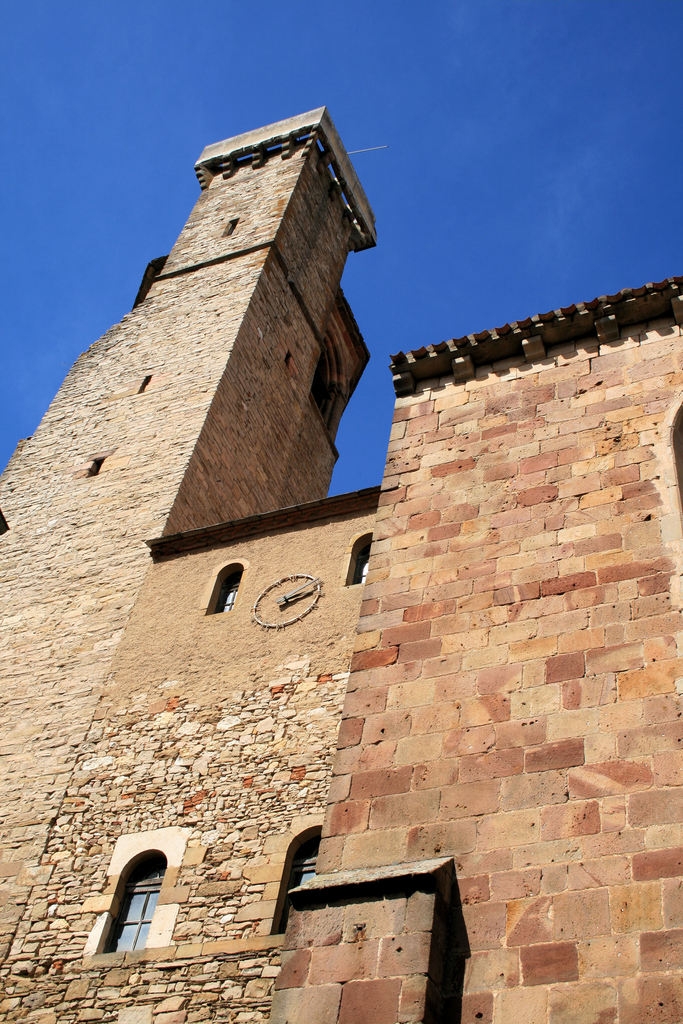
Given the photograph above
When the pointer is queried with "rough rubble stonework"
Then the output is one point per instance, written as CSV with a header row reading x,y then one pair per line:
x,y
170,423
487,733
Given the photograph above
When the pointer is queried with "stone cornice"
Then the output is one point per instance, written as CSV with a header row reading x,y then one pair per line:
x,y
603,317
279,519
419,876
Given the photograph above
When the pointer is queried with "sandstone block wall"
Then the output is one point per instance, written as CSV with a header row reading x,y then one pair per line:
x,y
515,703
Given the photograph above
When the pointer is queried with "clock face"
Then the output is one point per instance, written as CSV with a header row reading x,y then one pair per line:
x,y
287,600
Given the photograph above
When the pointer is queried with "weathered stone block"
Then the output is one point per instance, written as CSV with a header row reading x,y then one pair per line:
x,y
376,1000
547,963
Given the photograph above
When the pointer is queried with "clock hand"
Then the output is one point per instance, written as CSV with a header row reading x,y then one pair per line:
x,y
300,591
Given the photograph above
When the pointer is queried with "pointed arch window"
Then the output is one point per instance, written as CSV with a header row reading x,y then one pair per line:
x,y
140,897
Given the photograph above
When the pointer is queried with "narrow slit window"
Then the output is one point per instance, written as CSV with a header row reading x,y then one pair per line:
x,y
96,466
145,383
230,227
140,898
3,524
320,387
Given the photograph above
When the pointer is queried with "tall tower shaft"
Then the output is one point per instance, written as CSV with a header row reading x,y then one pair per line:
x,y
217,397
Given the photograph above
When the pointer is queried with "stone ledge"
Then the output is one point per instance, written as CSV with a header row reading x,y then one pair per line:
x,y
185,951
417,876
364,500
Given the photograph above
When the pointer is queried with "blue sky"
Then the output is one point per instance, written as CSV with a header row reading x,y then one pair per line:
x,y
534,161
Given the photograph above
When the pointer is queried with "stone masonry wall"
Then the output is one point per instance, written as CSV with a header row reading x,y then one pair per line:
x,y
245,774
214,725
74,557
233,472
519,709
219,983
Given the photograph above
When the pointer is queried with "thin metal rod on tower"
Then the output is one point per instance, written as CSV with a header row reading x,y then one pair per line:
x,y
370,149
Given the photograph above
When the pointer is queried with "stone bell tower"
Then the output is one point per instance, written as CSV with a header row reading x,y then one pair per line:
x,y
217,397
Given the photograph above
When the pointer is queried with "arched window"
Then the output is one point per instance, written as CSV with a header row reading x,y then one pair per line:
x,y
228,593
299,868
678,450
360,558
320,387
225,591
327,386
139,901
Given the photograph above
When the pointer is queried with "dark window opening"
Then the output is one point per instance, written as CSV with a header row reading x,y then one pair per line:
x,y
3,523
678,451
140,898
230,229
95,466
228,592
360,569
319,387
145,383
302,869
359,561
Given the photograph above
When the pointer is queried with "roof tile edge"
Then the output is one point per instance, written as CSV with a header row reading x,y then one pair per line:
x,y
530,339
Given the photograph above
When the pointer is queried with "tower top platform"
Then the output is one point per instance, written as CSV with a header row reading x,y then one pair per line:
x,y
254,147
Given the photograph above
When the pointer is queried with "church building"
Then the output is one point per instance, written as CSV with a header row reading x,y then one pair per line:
x,y
408,755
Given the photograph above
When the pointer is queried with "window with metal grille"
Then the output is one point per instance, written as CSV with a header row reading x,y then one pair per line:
x,y
137,907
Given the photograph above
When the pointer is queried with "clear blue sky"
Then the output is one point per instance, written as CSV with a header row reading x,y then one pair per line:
x,y
534,161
